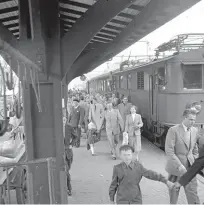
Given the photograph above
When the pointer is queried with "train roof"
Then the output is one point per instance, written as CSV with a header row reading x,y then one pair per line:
x,y
144,65
118,71
184,57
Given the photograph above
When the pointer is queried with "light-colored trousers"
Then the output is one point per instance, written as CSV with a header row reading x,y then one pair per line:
x,y
190,191
113,142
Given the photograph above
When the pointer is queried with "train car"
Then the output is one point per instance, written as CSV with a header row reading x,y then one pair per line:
x,y
161,89
104,84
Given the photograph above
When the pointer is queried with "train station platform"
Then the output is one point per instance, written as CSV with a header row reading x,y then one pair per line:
x,y
91,175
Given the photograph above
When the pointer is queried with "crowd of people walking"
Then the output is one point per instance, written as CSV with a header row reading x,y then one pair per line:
x,y
120,120
92,113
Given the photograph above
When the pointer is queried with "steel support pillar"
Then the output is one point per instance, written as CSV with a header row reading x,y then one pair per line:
x,y
44,139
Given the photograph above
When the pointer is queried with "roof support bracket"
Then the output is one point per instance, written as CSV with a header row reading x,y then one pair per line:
x,y
87,27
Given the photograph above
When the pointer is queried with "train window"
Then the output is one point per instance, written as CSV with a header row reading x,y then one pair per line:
x,y
140,80
101,85
120,81
104,85
129,81
114,84
192,76
108,85
161,73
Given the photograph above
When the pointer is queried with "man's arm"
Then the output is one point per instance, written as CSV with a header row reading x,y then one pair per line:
x,y
149,174
197,166
121,123
82,115
169,149
114,185
140,122
102,113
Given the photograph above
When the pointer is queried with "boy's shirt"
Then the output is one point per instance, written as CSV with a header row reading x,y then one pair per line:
x,y
126,179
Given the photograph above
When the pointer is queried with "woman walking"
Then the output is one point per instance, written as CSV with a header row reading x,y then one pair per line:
x,y
132,127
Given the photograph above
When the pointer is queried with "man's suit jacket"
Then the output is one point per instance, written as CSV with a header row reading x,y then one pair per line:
x,y
178,151
76,116
197,166
124,110
96,114
130,125
114,121
85,107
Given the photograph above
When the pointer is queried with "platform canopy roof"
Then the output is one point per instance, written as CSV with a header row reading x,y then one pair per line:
x,y
91,31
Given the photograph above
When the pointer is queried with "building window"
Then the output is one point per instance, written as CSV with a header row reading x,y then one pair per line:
x,y
192,77
140,80
129,81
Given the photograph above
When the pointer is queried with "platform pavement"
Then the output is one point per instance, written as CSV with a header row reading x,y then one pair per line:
x,y
91,175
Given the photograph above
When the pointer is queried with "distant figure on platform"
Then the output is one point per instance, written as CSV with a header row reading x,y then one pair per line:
x,y
127,176
86,117
114,125
69,106
112,98
181,150
68,156
96,118
124,108
68,160
75,120
83,104
115,103
132,127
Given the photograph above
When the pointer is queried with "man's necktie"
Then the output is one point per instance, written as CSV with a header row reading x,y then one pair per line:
x,y
188,129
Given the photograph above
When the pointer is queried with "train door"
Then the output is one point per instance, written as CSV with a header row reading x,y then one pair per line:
x,y
153,94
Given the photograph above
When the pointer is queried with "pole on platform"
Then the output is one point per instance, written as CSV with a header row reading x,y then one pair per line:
x,y
42,99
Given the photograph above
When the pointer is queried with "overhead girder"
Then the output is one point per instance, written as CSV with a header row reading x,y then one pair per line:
x,y
154,15
25,49
86,27
10,18
11,46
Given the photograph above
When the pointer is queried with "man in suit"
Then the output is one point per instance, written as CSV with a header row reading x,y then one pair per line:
x,y
124,108
181,150
114,124
197,166
85,107
75,121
